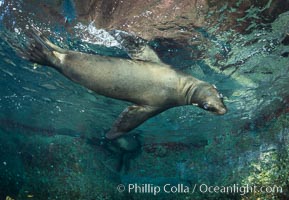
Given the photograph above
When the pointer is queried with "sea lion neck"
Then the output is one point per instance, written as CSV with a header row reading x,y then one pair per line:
x,y
188,86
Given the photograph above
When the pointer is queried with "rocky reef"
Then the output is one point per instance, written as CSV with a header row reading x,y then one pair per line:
x,y
177,19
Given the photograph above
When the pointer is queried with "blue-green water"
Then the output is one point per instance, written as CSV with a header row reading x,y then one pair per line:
x,y
48,124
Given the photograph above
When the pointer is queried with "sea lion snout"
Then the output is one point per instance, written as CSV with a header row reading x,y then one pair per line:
x,y
221,111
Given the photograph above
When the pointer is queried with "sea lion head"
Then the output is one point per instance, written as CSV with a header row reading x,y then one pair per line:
x,y
207,97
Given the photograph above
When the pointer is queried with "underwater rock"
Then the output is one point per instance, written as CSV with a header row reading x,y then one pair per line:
x,y
184,22
177,19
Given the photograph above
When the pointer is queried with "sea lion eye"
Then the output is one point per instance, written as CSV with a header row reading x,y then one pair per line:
x,y
206,106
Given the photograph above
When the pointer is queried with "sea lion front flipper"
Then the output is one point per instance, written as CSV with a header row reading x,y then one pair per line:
x,y
130,118
136,47
146,53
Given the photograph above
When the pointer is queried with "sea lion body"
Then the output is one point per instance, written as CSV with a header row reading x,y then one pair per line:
x,y
152,86
142,83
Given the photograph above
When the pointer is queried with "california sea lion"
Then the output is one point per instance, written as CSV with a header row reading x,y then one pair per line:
x,y
150,84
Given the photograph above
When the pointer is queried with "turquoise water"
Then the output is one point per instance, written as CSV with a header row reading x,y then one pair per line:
x,y
50,127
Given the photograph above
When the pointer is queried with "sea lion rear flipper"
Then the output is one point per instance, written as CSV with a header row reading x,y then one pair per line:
x,y
130,118
47,42
35,47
